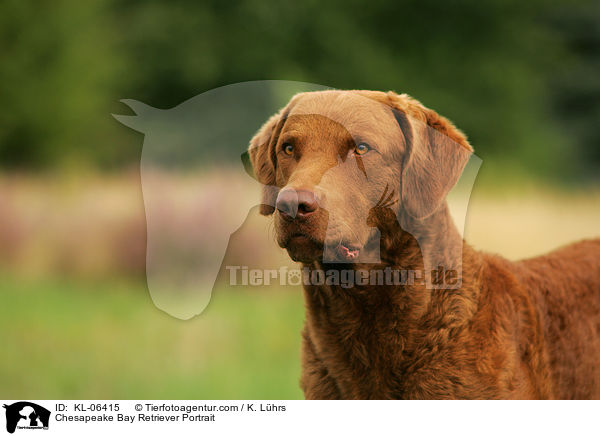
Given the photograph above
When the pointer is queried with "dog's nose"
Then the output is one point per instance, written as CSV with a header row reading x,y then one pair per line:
x,y
296,204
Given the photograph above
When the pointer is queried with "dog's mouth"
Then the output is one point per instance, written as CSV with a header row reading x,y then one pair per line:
x,y
303,247
301,238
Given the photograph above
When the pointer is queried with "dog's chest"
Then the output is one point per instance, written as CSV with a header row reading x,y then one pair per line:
x,y
365,366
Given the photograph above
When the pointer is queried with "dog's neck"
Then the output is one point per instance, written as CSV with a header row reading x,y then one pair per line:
x,y
364,317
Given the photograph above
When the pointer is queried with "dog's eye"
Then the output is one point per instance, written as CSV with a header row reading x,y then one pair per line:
x,y
362,148
288,149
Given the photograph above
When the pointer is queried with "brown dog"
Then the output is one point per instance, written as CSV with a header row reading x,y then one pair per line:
x,y
351,173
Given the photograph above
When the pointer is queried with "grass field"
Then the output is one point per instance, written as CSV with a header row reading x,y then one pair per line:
x,y
108,341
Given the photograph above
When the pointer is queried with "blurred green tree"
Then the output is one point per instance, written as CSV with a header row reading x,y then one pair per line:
x,y
519,78
57,80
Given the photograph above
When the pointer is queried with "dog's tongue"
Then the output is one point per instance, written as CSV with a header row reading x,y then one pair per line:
x,y
347,253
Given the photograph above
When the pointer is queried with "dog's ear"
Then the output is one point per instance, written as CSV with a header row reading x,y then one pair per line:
x,y
436,154
262,158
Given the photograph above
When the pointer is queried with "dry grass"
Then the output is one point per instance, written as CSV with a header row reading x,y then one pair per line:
x,y
526,224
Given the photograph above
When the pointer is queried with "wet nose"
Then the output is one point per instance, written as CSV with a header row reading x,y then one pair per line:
x,y
296,204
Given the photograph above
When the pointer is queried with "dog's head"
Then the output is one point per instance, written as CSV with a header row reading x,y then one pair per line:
x,y
335,164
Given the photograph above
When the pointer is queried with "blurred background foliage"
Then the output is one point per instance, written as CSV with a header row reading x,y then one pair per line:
x,y
521,78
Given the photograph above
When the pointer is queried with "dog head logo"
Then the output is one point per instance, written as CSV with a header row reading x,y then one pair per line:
x,y
26,415
182,265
